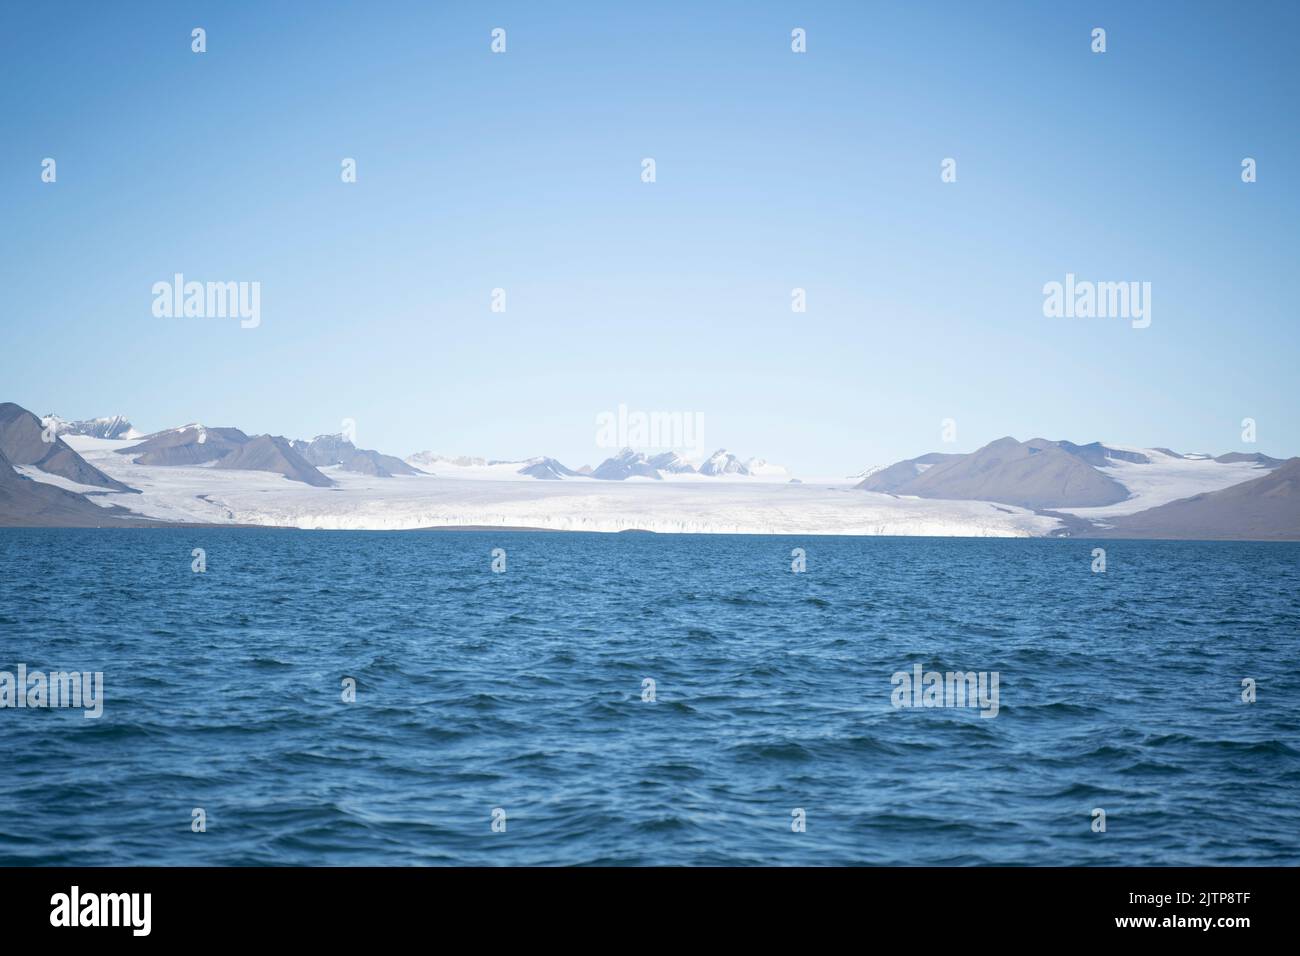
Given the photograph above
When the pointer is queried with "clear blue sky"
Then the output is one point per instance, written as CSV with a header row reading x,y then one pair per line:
x,y
775,170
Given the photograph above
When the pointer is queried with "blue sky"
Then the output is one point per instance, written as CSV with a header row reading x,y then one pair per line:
x,y
775,170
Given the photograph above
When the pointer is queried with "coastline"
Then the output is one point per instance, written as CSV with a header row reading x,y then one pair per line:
x,y
1096,534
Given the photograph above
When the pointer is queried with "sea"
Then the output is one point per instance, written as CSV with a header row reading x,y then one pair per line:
x,y
546,698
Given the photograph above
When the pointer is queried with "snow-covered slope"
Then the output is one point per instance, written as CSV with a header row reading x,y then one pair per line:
x,y
760,468
1165,478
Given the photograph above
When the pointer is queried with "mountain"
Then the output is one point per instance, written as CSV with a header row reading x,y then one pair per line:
x,y
427,460
622,466
547,469
1033,474
1256,457
542,467
672,463
866,473
891,479
722,462
1045,475
226,448
114,427
632,464
626,464
274,454
27,503
367,462
1095,453
326,450
1264,508
22,442
187,445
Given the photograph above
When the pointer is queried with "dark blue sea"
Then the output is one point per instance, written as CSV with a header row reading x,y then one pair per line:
x,y
520,696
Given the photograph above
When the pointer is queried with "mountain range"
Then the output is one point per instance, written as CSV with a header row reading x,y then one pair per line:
x,y
626,464
325,450
1040,485
114,426
224,448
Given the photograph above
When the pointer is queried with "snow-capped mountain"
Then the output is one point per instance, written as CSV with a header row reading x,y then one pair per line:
x,y
429,461
192,444
114,426
671,463
326,451
626,464
547,469
722,462
541,467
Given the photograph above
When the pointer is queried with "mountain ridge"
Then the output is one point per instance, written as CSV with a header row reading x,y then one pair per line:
x,y
224,448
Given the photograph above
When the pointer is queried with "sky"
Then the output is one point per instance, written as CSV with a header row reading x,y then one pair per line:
x,y
774,170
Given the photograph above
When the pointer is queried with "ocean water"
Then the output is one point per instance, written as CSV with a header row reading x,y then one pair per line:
x,y
522,692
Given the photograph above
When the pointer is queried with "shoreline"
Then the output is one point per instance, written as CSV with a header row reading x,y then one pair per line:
x,y
1094,535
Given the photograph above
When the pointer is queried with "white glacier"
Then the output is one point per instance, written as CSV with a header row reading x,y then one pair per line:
x,y
197,494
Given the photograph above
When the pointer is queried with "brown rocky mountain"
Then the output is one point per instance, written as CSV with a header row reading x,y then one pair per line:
x,y
27,503
325,450
1264,508
22,443
1032,474
275,454
227,448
